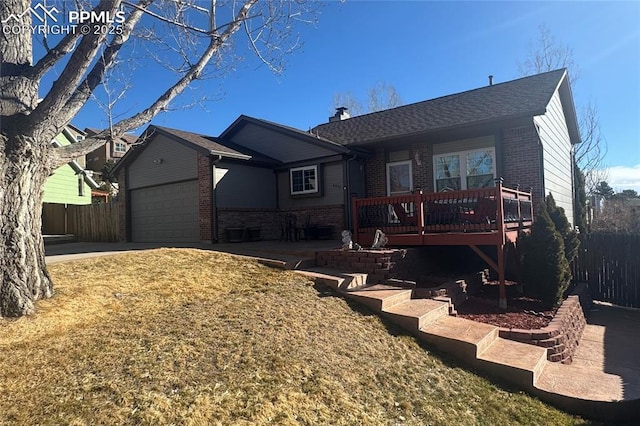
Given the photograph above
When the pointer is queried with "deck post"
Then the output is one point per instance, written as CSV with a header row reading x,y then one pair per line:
x,y
419,212
502,303
500,247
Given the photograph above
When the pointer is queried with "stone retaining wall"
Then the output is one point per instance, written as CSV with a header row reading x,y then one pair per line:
x,y
563,333
377,264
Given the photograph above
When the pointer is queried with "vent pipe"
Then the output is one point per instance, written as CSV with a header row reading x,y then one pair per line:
x,y
490,80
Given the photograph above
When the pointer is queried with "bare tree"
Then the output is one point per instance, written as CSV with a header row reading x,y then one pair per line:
x,y
592,149
201,34
349,101
549,55
383,96
379,97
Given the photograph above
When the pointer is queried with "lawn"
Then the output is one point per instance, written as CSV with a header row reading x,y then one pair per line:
x,y
180,336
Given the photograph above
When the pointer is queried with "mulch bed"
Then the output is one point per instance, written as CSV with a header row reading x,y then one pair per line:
x,y
522,312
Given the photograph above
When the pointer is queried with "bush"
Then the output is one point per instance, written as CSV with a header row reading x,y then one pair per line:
x,y
546,270
569,236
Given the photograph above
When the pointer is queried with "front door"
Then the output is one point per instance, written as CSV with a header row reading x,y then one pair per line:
x,y
399,182
399,178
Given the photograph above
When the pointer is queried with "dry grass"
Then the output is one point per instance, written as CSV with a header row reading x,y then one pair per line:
x,y
175,336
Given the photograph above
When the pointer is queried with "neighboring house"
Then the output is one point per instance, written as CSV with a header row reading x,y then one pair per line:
x,y
113,149
522,130
69,184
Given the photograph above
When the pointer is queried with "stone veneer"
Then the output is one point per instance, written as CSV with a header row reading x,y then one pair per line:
x,y
562,335
377,264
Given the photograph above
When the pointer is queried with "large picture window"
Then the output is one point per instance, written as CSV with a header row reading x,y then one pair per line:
x,y
464,170
304,180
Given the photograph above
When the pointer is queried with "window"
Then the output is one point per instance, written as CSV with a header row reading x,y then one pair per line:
x,y
120,147
464,170
80,185
304,180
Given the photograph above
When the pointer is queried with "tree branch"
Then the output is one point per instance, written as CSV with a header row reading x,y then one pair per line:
x,y
95,76
53,56
47,113
192,74
64,154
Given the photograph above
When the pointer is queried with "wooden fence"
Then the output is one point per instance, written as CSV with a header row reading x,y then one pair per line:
x,y
610,263
93,222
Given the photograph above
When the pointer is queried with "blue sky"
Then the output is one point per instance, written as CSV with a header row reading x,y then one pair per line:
x,y
425,49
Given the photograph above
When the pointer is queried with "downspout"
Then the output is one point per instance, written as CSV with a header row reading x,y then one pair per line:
x,y
214,202
347,189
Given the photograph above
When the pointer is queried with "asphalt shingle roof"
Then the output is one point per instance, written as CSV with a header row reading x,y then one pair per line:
x,y
528,95
216,145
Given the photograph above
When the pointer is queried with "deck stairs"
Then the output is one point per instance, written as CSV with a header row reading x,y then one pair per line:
x,y
476,344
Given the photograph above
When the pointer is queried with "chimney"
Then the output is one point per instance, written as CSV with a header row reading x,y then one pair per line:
x,y
341,114
490,80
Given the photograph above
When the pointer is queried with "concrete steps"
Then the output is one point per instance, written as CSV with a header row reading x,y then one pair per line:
x,y
380,297
519,363
338,281
414,314
474,343
461,337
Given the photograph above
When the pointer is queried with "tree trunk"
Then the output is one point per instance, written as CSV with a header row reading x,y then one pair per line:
x,y
24,277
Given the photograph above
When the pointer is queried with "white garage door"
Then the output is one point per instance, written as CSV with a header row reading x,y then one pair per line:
x,y
165,213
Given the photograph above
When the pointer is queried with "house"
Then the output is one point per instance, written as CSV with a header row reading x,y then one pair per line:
x,y
69,184
114,150
182,186
188,187
521,130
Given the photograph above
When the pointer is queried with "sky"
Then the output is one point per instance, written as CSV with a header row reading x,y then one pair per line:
x,y
424,49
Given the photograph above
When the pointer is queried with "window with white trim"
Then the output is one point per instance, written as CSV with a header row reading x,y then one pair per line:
x,y
304,180
120,147
464,170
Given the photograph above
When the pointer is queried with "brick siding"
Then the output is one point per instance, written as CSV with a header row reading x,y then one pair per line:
x,y
269,220
375,174
205,198
521,159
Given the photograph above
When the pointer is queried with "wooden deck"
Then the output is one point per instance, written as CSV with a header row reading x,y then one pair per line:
x,y
477,217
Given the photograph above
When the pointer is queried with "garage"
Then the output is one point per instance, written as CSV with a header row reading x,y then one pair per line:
x,y
165,213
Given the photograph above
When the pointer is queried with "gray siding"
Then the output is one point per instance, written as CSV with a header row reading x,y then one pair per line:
x,y
277,145
556,148
332,188
178,163
245,186
464,145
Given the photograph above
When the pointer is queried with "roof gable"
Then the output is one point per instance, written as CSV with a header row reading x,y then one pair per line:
x,y
207,145
527,96
278,141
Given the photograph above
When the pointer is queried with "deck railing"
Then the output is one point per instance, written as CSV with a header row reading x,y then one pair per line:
x,y
474,210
